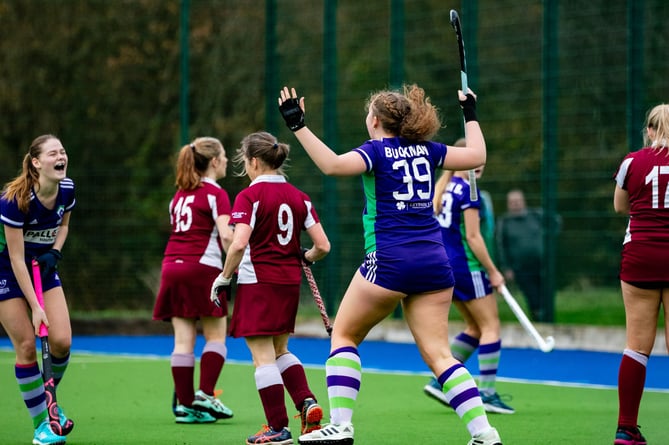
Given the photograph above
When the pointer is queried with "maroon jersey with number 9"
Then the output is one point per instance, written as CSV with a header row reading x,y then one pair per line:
x,y
277,212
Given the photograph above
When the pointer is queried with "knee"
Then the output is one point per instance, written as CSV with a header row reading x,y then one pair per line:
x,y
60,347
26,351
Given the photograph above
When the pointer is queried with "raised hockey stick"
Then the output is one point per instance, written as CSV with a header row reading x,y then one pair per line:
x,y
455,22
546,345
317,297
47,366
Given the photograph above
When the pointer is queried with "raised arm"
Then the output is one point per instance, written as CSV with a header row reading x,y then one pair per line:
x,y
327,161
473,155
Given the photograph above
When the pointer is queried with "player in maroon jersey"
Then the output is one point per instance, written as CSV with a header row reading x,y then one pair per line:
x,y
199,215
642,192
268,219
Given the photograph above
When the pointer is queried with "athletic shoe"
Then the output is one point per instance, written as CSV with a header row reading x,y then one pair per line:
x,y
311,416
493,404
211,405
490,437
332,434
45,436
191,415
629,436
433,389
66,424
268,435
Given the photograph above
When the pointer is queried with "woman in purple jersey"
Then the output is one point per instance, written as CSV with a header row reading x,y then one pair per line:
x,y
35,212
199,215
405,257
642,192
269,217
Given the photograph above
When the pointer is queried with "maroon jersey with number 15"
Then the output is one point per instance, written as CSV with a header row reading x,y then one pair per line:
x,y
193,215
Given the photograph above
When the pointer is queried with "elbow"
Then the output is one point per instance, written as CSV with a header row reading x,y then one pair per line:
x,y
226,239
321,250
621,210
236,247
328,170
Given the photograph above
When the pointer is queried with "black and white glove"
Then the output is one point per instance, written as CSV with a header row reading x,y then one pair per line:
x,y
49,261
220,285
469,108
304,258
292,113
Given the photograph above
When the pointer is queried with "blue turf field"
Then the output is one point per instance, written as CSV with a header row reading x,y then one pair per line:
x,y
559,366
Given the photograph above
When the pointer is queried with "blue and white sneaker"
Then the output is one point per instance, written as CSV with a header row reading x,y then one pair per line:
x,y
45,436
268,435
183,414
211,405
493,404
433,389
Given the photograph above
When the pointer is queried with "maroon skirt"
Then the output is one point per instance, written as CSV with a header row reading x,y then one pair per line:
x,y
264,309
184,292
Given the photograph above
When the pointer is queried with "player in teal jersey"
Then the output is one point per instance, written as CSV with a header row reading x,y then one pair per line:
x,y
405,261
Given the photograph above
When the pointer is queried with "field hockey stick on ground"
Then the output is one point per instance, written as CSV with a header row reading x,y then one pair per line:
x,y
317,297
455,22
545,345
47,371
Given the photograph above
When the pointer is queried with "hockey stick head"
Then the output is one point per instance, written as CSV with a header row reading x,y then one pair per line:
x,y
455,22
455,19
548,345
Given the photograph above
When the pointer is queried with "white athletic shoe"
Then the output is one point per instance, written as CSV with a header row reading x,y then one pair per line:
x,y
490,437
332,434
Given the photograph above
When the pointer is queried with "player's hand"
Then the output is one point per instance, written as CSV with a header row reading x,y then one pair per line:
x,y
468,104
49,261
304,257
291,109
220,285
39,318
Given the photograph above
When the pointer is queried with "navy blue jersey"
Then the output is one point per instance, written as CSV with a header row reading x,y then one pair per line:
x,y
398,186
452,220
40,225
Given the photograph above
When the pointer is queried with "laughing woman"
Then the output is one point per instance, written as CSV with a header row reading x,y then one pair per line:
x,y
35,213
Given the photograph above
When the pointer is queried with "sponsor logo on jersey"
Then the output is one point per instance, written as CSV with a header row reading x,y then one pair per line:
x,y
44,236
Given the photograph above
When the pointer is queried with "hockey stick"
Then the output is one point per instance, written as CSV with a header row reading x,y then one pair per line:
x,y
455,22
317,297
545,345
47,371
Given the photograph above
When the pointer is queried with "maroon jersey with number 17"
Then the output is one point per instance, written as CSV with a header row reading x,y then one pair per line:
x,y
644,174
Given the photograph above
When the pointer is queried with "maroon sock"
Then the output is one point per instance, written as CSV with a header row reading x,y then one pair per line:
x,y
294,379
183,368
272,396
631,380
273,403
211,364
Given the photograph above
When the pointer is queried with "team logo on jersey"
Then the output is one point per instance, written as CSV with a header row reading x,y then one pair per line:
x,y
401,205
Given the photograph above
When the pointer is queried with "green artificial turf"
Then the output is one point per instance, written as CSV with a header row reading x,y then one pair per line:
x,y
120,400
